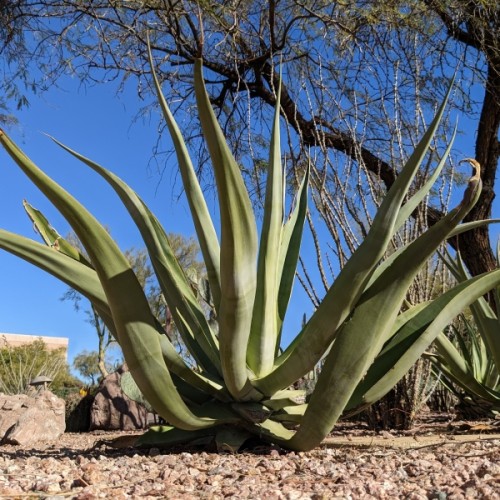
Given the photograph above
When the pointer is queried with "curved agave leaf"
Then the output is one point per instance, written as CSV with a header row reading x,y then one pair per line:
x,y
461,228
51,237
264,332
132,391
290,250
309,346
72,272
205,230
273,432
238,249
411,204
453,365
178,366
84,280
485,317
136,328
166,436
55,241
292,414
362,338
412,339
171,277
467,226
285,398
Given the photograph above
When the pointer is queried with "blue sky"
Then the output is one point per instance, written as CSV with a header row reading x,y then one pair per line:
x,y
98,124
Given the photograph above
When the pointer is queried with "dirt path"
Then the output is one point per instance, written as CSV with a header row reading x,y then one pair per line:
x,y
408,442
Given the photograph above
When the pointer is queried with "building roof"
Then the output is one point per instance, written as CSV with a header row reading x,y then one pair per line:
x,y
17,339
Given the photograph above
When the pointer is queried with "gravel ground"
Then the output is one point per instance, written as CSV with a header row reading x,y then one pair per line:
x,y
79,466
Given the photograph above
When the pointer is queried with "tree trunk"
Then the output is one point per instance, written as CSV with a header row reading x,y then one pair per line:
x,y
475,245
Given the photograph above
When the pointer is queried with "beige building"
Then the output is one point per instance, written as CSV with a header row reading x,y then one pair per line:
x,y
15,340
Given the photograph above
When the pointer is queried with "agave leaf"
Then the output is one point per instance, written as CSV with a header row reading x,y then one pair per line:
x,y
411,204
307,349
290,395
360,341
475,356
238,249
255,413
403,319
485,317
190,335
285,398
56,242
273,432
192,395
480,362
72,272
459,229
264,332
492,378
171,277
136,329
467,226
413,338
51,237
132,391
84,279
470,357
453,357
177,365
455,368
290,250
292,414
231,439
203,224
166,437
78,276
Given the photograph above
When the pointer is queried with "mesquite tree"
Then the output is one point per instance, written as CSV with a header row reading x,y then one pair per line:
x,y
363,77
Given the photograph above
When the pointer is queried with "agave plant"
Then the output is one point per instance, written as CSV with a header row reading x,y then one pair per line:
x,y
472,362
241,383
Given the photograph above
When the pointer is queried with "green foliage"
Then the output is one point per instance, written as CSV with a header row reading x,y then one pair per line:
x,y
186,251
21,364
240,383
96,365
468,355
87,365
129,387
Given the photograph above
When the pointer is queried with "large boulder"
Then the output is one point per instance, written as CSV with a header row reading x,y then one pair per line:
x,y
78,412
24,419
113,410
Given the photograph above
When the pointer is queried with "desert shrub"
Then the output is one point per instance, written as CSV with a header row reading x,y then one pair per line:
x,y
21,364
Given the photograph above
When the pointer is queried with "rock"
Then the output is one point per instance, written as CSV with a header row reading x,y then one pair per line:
x,y
10,409
78,413
113,410
26,419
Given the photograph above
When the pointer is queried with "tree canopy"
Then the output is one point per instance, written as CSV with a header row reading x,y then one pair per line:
x,y
360,81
